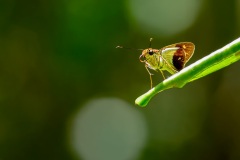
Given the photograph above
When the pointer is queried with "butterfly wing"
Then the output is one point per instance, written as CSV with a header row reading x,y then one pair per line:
x,y
175,56
188,48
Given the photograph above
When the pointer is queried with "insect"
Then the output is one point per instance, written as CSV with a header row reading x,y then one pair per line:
x,y
171,58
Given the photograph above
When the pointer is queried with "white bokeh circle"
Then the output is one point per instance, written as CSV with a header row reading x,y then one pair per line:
x,y
164,17
107,129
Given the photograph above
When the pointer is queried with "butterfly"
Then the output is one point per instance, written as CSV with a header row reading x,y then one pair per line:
x,y
171,58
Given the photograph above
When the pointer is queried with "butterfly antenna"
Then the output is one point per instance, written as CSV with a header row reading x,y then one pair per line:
x,y
150,43
128,48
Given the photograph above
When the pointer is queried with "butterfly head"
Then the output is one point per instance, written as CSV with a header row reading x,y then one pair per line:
x,y
148,54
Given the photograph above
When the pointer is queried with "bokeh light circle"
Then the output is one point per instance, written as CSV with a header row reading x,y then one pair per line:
x,y
107,129
164,17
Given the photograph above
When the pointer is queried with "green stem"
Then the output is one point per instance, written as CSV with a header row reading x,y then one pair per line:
x,y
209,64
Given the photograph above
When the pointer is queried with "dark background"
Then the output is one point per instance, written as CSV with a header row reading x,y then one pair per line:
x,y
61,76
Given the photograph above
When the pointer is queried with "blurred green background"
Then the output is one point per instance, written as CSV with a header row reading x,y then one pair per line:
x,y
66,93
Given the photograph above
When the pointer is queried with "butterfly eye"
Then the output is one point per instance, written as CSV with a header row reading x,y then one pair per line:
x,y
150,52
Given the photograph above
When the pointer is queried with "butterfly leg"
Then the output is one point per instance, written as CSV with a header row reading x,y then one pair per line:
x,y
160,58
146,66
162,74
